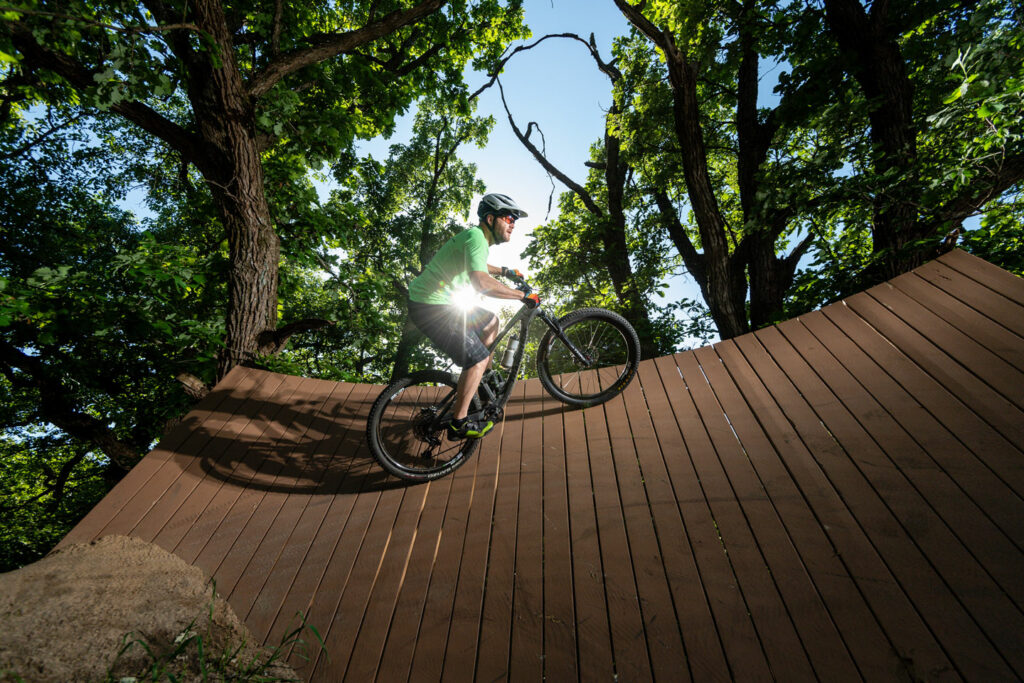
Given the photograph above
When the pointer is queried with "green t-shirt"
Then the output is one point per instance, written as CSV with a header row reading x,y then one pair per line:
x,y
449,269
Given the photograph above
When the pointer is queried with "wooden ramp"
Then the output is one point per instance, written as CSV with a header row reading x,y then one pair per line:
x,y
840,497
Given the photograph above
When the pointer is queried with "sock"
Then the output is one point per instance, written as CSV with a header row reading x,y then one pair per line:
x,y
459,422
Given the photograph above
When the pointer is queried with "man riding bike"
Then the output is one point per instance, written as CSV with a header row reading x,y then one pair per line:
x,y
465,335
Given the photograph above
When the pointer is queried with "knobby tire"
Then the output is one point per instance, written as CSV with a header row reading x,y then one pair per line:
x,y
395,430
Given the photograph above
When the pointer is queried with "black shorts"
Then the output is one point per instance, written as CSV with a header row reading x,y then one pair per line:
x,y
456,332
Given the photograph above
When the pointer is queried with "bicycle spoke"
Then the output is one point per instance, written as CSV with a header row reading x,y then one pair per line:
x,y
600,337
405,433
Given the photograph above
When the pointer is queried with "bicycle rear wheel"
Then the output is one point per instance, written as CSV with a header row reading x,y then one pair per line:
x,y
612,350
402,427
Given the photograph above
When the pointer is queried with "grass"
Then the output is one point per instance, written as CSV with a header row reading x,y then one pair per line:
x,y
204,654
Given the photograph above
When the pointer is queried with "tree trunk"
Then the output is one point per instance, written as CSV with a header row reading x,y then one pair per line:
x,y
616,251
725,286
226,123
874,59
410,338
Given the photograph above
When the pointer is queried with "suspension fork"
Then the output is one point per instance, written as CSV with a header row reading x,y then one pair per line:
x,y
556,329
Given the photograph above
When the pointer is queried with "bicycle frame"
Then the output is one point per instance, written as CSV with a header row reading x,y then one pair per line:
x,y
495,400
525,317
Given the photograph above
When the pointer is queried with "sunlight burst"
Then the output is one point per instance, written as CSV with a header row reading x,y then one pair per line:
x,y
465,298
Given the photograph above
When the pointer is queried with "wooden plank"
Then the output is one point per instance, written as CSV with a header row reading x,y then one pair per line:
x,y
588,587
993,277
166,491
365,641
683,437
195,519
779,519
221,402
277,474
958,346
992,304
496,615
278,554
527,638
229,500
446,533
849,509
325,567
560,644
734,510
661,629
1006,345
331,464
174,514
827,538
395,658
344,595
460,653
629,642
968,550
430,657
649,416
907,533
335,553
960,381
989,467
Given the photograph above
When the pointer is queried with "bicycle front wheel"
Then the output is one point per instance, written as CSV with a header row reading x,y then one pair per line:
x,y
404,431
611,352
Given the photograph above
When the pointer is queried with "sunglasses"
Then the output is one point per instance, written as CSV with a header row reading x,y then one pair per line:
x,y
511,218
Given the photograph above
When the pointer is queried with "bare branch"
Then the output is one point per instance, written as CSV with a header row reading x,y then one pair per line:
x,y
607,67
548,166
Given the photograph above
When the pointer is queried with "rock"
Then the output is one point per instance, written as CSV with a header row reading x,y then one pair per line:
x,y
67,616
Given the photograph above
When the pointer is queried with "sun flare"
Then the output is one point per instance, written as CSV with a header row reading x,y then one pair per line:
x,y
465,298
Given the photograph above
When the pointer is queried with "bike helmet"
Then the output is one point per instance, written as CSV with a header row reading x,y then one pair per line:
x,y
498,204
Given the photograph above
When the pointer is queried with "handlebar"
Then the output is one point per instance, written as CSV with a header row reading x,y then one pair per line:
x,y
520,283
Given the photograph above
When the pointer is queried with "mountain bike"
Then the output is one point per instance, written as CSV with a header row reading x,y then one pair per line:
x,y
584,358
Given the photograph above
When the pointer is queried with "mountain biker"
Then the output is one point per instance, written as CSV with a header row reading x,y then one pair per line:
x,y
465,335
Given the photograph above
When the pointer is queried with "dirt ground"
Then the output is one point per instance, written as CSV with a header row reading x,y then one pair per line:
x,y
65,617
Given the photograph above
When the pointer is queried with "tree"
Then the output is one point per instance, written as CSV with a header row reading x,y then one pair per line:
x,y
596,222
97,315
722,145
836,157
402,210
891,50
229,87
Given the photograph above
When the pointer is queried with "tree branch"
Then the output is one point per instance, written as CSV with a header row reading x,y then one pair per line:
x,y
548,166
606,67
272,341
325,46
54,406
96,24
694,260
81,78
38,140
976,195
